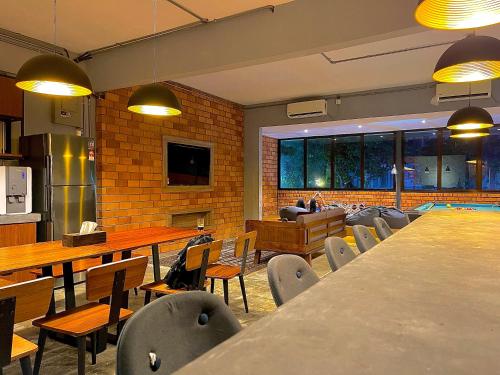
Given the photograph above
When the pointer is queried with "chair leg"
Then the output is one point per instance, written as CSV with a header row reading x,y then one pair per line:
x,y
26,365
243,292
42,336
212,285
82,347
135,291
226,291
93,344
147,298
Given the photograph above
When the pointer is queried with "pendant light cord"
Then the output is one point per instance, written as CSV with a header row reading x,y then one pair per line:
x,y
155,41
54,11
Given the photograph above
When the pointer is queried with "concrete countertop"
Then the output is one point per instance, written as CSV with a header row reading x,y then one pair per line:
x,y
424,301
19,219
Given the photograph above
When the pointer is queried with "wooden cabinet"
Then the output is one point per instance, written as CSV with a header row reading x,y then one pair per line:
x,y
18,234
11,99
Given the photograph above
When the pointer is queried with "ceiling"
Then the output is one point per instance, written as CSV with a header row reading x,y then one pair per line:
x,y
84,25
314,76
367,125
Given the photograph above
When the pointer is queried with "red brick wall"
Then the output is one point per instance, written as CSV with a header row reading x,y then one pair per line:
x,y
269,176
130,161
371,198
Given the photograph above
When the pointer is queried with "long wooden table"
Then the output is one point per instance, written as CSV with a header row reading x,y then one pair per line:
x,y
424,301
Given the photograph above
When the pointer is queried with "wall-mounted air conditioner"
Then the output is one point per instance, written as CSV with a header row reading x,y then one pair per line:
x,y
452,92
313,108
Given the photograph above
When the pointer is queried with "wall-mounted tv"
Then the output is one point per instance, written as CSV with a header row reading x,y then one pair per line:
x,y
188,164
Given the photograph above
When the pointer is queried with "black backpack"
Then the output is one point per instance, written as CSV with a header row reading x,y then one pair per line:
x,y
177,277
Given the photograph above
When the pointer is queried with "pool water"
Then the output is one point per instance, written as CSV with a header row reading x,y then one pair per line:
x,y
458,206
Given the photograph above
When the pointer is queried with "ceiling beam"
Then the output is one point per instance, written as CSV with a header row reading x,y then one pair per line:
x,y
298,28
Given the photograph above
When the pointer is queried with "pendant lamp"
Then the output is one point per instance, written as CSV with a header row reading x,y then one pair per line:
x,y
53,74
475,58
457,14
470,118
154,99
474,133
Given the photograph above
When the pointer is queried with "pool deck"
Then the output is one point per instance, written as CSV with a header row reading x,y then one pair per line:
x,y
426,300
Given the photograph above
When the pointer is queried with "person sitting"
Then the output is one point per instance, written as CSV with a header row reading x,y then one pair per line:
x,y
300,203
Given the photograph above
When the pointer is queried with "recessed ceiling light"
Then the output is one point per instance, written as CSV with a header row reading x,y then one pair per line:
x,y
423,121
360,126
306,130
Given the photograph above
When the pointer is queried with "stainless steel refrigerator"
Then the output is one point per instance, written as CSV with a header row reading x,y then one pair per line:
x,y
64,188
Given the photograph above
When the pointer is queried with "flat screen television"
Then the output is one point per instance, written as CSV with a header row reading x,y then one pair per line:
x,y
188,165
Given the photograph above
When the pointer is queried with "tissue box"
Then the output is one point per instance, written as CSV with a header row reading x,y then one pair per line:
x,y
77,239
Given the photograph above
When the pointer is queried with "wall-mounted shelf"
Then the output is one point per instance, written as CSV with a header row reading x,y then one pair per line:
x,y
10,156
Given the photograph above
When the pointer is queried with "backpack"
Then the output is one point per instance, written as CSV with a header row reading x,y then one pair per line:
x,y
177,277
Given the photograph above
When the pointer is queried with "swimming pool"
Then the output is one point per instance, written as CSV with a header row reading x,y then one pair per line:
x,y
458,206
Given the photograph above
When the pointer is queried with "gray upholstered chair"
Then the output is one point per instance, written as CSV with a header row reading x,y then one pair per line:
x,y
289,275
365,240
172,331
382,228
338,252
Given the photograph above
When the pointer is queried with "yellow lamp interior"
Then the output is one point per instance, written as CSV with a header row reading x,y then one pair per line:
x,y
458,14
470,126
470,135
53,88
154,110
469,72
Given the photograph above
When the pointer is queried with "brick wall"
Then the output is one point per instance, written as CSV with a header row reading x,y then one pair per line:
x,y
371,198
130,161
269,176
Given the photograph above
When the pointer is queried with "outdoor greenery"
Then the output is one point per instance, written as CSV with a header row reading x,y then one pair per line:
x,y
347,162
379,160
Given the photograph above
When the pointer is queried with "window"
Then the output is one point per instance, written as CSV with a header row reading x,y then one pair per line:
x,y
319,163
491,160
459,160
379,160
347,162
420,160
292,164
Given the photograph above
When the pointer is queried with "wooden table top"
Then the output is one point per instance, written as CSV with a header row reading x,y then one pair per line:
x,y
25,257
424,301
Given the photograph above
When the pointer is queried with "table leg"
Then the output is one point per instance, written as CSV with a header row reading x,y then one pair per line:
x,y
69,286
127,254
102,334
47,271
156,262
256,258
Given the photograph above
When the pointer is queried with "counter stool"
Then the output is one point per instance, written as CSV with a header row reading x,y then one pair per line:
x,y
365,240
18,303
225,272
338,252
382,228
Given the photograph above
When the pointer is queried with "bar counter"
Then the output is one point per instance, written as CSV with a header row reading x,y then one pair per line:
x,y
425,301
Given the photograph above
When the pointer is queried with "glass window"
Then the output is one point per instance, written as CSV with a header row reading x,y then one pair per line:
x,y
379,160
420,159
347,162
318,163
292,164
459,159
491,160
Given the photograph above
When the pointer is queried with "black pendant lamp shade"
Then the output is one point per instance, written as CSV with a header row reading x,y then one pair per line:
x,y
154,99
470,118
475,58
474,133
457,14
53,75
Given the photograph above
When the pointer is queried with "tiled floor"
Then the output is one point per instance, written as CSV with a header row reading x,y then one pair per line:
x,y
60,359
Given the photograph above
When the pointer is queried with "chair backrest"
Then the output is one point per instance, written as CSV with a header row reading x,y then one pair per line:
x,y
194,255
185,326
365,240
338,252
101,279
32,297
382,228
242,246
289,275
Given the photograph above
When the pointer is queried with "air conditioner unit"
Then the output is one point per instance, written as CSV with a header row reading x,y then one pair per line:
x,y
452,92
313,108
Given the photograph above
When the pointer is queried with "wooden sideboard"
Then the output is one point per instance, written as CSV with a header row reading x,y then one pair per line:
x,y
18,234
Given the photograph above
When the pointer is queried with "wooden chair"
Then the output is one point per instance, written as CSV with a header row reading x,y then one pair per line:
x,y
197,257
103,282
18,303
243,245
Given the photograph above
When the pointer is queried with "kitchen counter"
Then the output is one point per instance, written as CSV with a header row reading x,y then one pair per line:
x,y
20,219
424,301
